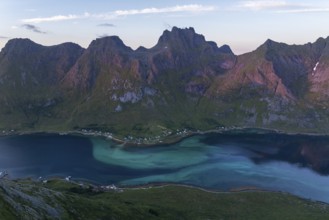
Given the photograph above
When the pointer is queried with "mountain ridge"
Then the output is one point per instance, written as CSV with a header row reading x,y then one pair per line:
x,y
182,82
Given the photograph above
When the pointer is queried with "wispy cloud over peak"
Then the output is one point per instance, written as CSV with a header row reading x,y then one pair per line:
x,y
106,25
33,28
102,35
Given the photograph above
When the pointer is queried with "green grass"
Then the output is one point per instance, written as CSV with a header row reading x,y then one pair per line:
x,y
166,202
6,211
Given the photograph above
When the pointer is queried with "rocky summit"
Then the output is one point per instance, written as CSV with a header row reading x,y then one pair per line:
x,y
183,82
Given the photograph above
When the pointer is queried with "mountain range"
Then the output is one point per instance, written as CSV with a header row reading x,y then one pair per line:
x,y
183,82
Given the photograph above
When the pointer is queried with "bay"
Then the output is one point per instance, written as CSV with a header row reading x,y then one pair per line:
x,y
297,164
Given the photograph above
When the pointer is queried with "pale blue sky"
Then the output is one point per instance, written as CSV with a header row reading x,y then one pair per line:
x,y
243,25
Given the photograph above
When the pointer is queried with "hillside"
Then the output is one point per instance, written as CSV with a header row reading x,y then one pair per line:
x,y
59,199
183,82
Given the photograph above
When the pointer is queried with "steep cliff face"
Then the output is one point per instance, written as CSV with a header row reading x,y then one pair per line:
x,y
183,81
182,48
277,85
181,51
103,56
195,61
319,77
283,70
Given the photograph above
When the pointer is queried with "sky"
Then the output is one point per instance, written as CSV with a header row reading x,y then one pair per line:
x,y
242,24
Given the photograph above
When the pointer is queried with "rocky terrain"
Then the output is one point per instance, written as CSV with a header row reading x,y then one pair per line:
x,y
183,82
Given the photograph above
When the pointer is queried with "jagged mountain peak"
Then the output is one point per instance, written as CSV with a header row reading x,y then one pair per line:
x,y
225,49
109,43
184,37
182,40
321,39
271,44
180,31
322,44
141,49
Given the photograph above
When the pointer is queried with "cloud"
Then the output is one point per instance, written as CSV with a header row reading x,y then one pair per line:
x,y
102,35
3,37
178,8
33,28
192,8
106,25
305,10
280,6
262,5
55,18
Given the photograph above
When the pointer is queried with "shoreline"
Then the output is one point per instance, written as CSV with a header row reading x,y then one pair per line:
x,y
169,139
101,188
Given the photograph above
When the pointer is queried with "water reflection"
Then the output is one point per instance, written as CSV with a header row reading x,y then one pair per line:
x,y
302,150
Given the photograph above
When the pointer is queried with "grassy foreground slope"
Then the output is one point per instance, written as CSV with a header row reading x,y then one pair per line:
x,y
63,200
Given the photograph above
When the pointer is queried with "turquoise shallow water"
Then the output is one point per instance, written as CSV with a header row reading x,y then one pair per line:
x,y
295,164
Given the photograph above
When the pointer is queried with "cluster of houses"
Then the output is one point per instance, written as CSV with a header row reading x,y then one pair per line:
x,y
3,174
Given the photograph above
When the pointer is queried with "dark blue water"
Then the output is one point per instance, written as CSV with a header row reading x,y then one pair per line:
x,y
295,164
